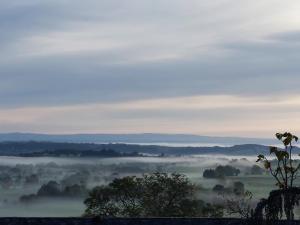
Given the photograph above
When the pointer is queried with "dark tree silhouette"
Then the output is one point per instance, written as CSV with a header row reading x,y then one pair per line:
x,y
284,169
152,195
221,172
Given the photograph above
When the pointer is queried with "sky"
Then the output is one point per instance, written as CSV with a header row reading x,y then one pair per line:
x,y
223,67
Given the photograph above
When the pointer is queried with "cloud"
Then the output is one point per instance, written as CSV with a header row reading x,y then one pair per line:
x,y
211,115
249,69
63,53
292,37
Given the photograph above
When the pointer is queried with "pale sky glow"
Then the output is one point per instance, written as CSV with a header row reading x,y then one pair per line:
x,y
175,115
224,67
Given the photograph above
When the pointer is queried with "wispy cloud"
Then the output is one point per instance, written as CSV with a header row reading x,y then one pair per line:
x,y
58,54
212,114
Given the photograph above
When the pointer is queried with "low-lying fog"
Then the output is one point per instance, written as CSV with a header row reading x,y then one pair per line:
x,y
21,179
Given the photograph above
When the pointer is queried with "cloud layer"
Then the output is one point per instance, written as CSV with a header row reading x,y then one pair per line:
x,y
74,54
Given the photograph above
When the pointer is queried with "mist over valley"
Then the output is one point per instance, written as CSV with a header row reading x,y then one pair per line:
x,y
52,179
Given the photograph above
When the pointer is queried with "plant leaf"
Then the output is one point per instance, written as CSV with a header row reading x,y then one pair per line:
x,y
279,136
267,164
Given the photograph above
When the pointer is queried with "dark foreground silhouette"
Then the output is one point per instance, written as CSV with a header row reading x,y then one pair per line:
x,y
137,221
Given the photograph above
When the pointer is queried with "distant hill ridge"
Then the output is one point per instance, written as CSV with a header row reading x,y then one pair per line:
x,y
133,138
21,148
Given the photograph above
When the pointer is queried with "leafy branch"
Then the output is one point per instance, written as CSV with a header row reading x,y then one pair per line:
x,y
285,171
